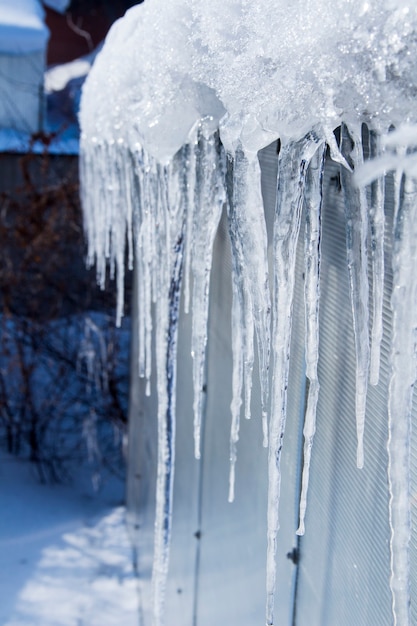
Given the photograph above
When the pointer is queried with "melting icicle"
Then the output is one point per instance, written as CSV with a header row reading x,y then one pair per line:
x,y
171,215
242,348
356,211
292,168
243,355
107,212
209,202
89,434
93,353
251,299
238,350
249,248
255,90
146,172
312,247
191,168
377,226
398,177
403,376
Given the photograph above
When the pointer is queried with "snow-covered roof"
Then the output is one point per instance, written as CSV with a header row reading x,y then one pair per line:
x,y
22,27
57,5
169,63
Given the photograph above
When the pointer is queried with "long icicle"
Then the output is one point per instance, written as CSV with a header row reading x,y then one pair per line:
x,y
147,172
209,201
356,211
248,228
238,351
242,335
251,298
172,211
312,252
191,180
400,392
377,227
292,168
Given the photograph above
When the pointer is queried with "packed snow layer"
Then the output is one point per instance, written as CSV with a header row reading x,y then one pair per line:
x,y
22,27
156,175
65,552
261,71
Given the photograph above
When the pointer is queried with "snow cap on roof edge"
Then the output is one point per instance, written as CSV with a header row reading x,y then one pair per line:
x,y
22,27
58,5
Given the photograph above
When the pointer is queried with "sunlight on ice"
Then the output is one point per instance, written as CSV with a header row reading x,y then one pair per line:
x,y
312,252
169,138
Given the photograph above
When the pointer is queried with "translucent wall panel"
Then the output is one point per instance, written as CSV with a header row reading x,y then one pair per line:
x,y
21,91
217,572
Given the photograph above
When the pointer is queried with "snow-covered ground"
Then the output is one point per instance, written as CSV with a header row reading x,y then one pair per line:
x,y
64,552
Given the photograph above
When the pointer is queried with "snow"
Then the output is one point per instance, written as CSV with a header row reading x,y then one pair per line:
x,y
57,77
58,5
175,109
22,28
369,57
66,558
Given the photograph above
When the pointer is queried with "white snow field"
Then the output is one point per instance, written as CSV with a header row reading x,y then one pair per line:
x,y
66,558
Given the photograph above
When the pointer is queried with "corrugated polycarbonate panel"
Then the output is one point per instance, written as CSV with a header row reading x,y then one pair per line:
x,y
218,559
141,483
345,561
218,552
413,495
21,91
231,577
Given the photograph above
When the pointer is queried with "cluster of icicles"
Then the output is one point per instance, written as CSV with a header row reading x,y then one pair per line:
x,y
168,216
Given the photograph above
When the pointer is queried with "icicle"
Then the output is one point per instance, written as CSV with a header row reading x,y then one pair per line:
x,y
144,304
118,228
145,170
251,300
403,376
243,351
356,211
209,202
92,352
249,248
292,167
141,303
312,247
191,169
89,434
335,152
242,340
238,352
149,254
249,359
107,212
377,227
171,215
398,177
129,199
